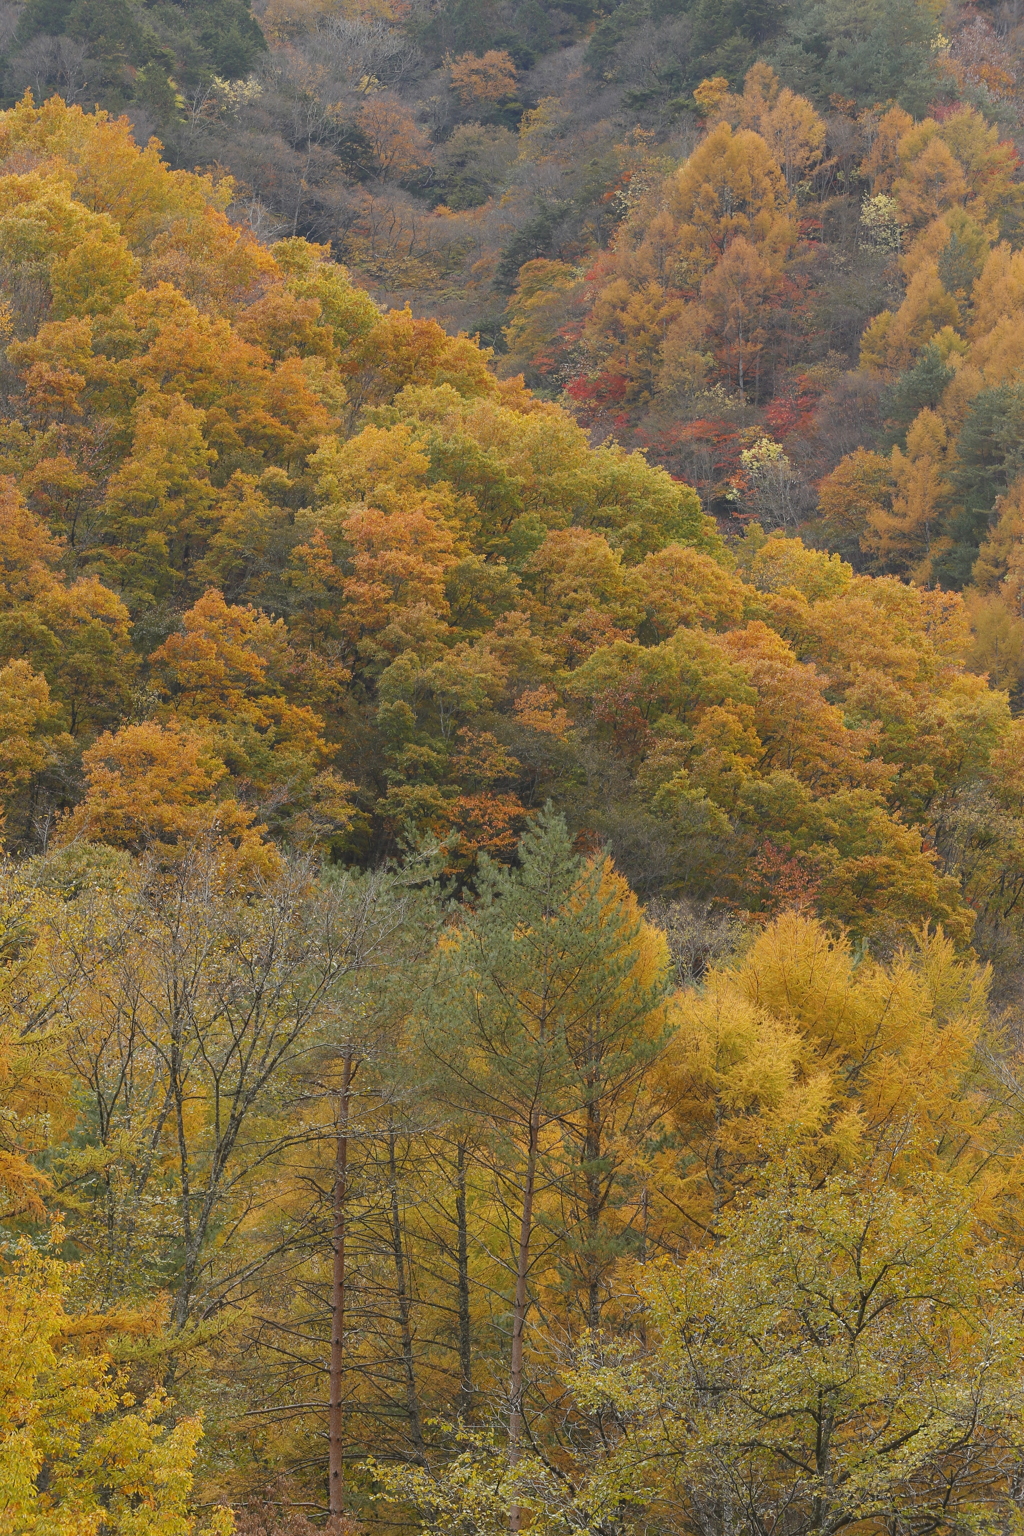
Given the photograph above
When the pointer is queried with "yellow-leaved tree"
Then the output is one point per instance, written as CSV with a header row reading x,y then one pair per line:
x,y
830,1333
79,1456
845,1355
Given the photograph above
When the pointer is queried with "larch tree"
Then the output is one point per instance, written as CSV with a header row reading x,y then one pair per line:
x,y
542,1029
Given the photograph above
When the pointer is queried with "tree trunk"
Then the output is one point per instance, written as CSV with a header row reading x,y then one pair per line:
x,y
335,1441
412,1407
465,1398
595,1203
520,1307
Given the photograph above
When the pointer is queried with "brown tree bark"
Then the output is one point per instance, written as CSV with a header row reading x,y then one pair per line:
x,y
335,1414
465,1398
520,1307
404,1299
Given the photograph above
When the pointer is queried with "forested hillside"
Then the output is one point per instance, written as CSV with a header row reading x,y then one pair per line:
x,y
511,769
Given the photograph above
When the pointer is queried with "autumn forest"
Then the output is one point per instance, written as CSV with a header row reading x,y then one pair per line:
x,y
511,767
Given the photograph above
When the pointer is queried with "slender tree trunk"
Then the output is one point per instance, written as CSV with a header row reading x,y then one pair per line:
x,y
520,1306
335,1438
592,1154
412,1407
465,1398
183,1297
